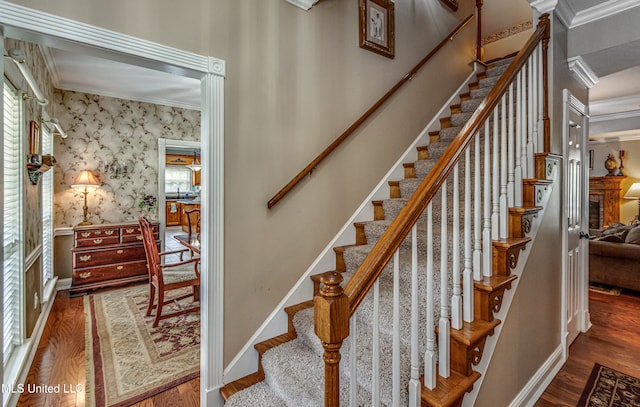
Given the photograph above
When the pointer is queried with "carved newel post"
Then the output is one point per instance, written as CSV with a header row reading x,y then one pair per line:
x,y
331,309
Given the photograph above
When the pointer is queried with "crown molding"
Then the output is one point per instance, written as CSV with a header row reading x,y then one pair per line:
x,y
544,6
303,4
565,13
582,72
613,138
602,10
615,105
631,114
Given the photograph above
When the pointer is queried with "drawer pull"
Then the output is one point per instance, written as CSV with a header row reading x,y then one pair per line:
x,y
139,237
120,251
131,230
85,275
98,232
85,258
86,234
97,241
108,232
119,267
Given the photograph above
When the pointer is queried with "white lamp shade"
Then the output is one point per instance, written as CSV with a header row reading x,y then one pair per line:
x,y
86,179
633,192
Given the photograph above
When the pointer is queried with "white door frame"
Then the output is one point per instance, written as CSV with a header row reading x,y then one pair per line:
x,y
571,103
32,25
163,144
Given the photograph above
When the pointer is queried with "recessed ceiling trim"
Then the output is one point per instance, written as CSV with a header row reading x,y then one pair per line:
x,y
582,72
544,6
614,104
613,139
602,10
615,116
565,13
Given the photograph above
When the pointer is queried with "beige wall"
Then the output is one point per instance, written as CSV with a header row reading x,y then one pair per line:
x,y
295,80
531,331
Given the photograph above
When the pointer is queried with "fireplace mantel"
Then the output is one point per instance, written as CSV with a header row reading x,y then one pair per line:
x,y
607,189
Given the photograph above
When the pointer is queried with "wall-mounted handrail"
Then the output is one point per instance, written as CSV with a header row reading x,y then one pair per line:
x,y
313,164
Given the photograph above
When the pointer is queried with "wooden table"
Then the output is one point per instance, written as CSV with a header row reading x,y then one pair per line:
x,y
191,242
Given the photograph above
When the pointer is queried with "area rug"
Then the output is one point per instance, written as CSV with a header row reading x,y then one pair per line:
x,y
608,387
605,289
127,360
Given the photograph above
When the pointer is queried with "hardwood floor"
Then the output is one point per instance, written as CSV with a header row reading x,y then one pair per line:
x,y
613,341
60,359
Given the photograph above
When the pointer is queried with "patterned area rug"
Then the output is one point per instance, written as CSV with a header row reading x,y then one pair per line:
x,y
608,387
128,360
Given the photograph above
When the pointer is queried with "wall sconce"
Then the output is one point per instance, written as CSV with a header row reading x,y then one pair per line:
x,y
195,165
18,57
87,180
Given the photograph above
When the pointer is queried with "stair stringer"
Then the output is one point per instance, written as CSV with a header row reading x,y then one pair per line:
x,y
276,323
490,346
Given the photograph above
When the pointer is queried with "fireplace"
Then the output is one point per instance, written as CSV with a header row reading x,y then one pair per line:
x,y
595,212
604,201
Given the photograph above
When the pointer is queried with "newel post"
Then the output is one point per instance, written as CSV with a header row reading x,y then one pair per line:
x,y
546,23
331,309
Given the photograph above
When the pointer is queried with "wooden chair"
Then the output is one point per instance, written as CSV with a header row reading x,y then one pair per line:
x,y
193,220
167,277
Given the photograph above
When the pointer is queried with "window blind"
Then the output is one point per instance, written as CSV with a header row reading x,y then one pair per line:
x,y
12,227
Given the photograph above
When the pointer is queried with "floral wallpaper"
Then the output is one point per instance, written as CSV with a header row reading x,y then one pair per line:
x,y
117,140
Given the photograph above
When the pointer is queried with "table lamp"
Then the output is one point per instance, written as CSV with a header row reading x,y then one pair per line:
x,y
87,180
634,193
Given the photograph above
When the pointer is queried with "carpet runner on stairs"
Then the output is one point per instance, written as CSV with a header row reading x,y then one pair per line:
x,y
294,371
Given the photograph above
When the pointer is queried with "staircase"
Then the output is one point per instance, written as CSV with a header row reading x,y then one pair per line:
x,y
458,261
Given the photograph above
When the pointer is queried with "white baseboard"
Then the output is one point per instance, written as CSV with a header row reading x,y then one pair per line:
x,y
246,361
539,382
63,284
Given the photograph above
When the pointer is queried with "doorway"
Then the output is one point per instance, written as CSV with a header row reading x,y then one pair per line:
x,y
38,27
575,268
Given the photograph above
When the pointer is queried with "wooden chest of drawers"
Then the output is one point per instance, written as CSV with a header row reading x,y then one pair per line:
x,y
107,255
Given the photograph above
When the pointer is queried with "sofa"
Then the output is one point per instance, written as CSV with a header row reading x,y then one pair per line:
x,y
614,257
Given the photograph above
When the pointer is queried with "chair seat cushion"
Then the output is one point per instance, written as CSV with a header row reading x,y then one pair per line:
x,y
178,276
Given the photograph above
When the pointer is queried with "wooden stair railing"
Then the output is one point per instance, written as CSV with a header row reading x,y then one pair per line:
x,y
316,161
331,315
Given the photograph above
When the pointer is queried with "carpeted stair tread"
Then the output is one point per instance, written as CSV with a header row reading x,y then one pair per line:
x,y
393,206
470,105
488,82
497,70
258,395
448,133
480,93
459,119
296,373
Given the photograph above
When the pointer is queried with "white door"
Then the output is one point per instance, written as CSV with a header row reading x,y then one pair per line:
x,y
576,273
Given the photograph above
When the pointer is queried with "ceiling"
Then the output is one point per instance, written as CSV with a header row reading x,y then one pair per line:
x,y
77,71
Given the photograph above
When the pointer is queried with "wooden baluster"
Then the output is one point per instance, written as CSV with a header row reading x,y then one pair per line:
x,y
510,151
414,383
444,324
477,212
456,299
430,353
331,322
503,170
544,21
467,275
486,206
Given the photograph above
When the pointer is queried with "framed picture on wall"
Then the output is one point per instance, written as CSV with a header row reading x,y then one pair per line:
x,y
452,4
377,27
34,137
